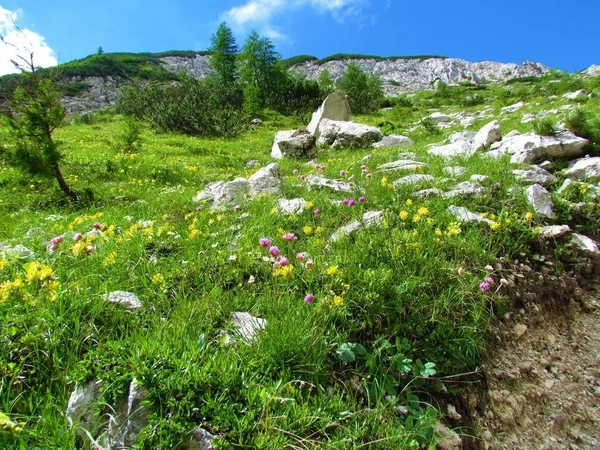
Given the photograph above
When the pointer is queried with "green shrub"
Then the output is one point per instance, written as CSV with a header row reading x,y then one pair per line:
x,y
364,91
545,127
585,125
129,141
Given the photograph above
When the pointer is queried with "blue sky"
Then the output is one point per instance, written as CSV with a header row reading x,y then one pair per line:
x,y
557,33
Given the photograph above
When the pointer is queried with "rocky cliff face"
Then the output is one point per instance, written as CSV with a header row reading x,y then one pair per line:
x,y
398,76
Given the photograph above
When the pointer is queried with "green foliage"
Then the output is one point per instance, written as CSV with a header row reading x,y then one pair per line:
x,y
129,141
585,125
343,56
297,60
223,54
364,91
295,94
326,82
545,127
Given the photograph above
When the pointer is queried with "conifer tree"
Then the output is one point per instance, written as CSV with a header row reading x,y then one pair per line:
x,y
259,71
224,53
364,91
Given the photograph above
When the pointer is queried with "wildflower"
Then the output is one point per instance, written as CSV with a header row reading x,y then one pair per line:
x,y
290,237
319,230
232,258
529,216
237,207
342,173
362,199
423,211
503,282
251,279
416,218
369,175
310,204
316,211
338,301
409,202
495,226
484,286
489,280
284,261
368,157
403,215
307,230
274,251
264,242
309,298
345,201
77,237
332,271
351,202
309,264
295,171
97,225
489,268
461,271
57,239
384,181
300,257
438,232
363,167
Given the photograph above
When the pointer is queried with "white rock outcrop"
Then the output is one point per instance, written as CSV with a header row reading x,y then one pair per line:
x,y
335,107
527,148
336,133
489,134
584,169
394,141
535,174
540,200
294,143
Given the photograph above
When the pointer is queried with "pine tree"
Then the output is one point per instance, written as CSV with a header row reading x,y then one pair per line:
x,y
224,53
364,91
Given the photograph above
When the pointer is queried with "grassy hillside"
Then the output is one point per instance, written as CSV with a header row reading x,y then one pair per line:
x,y
398,311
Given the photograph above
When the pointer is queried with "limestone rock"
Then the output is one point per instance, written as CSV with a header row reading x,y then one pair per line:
x,y
336,133
554,231
17,252
135,417
293,206
512,108
256,122
224,192
247,326
448,439
294,143
453,150
369,219
335,107
527,148
535,175
335,185
413,179
454,171
438,117
462,214
490,133
585,245
466,188
577,95
424,193
80,409
200,440
401,164
541,201
393,141
266,180
126,299
584,169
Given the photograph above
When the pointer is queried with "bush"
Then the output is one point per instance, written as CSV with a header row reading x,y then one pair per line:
x,y
364,91
545,127
584,124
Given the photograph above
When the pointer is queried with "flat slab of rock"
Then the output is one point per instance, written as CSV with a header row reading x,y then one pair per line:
x,y
554,231
126,299
294,144
489,134
462,214
394,141
577,95
266,180
80,409
438,117
540,200
454,171
585,245
527,148
293,206
535,175
335,185
336,133
369,219
424,193
18,251
401,164
247,326
466,188
413,179
584,169
512,108
452,150
335,107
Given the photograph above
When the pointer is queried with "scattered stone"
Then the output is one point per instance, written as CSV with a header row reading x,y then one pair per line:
x,y
126,299
293,206
512,108
452,413
247,326
335,185
527,148
252,163
462,214
294,144
585,245
452,150
554,231
438,117
535,175
335,107
369,219
478,178
123,428
489,134
337,133
466,188
80,409
519,330
584,169
17,252
413,179
448,439
577,95
200,440
393,141
541,201
224,191
424,193
404,164
266,180
256,122
454,171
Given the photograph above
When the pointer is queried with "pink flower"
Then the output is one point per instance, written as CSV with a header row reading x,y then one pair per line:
x,y
300,257
53,247
484,286
345,201
351,202
77,237
57,240
198,208
342,173
309,264
309,298
237,207
284,261
264,242
274,251
489,280
363,167
90,249
369,175
316,211
368,157
97,225
290,237
362,199
295,171
276,265
301,177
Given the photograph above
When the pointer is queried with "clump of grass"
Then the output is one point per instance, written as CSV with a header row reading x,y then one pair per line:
x,y
582,123
545,127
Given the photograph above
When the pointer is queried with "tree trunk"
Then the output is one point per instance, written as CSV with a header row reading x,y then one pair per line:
x,y
62,183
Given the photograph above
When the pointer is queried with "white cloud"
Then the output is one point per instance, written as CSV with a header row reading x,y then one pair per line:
x,y
258,13
21,44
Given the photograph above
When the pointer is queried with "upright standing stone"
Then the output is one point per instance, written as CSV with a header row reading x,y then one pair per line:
x,y
335,107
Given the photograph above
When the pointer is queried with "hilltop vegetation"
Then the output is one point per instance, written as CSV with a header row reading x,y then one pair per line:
x,y
365,335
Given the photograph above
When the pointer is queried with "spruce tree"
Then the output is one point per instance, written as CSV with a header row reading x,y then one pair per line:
x,y
224,53
259,71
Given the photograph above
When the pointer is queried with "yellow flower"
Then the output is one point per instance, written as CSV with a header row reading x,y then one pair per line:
x,y
409,202
3,264
319,243
438,232
529,216
423,211
384,181
453,229
310,204
332,271
495,226
338,301
307,230
283,271
110,259
403,215
194,234
319,230
416,218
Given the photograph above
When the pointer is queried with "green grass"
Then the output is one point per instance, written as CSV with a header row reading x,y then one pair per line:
x,y
407,291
